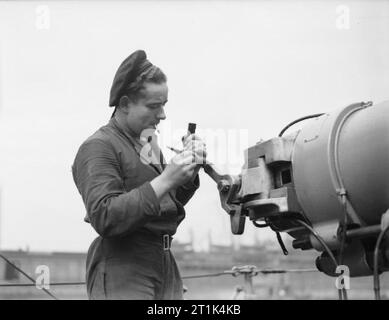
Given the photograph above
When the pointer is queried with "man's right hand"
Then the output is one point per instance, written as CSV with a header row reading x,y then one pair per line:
x,y
179,171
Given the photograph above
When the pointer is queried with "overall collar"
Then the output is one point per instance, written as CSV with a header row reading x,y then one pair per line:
x,y
140,148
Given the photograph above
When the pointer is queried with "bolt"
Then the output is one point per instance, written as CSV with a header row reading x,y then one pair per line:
x,y
223,186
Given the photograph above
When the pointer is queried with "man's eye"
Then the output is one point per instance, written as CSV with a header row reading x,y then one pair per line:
x,y
154,106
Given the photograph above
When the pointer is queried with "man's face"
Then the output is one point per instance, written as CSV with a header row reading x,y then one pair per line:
x,y
148,110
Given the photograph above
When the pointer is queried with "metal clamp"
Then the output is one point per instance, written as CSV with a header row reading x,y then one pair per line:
x,y
249,270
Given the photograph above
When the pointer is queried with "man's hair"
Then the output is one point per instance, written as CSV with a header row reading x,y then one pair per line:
x,y
151,75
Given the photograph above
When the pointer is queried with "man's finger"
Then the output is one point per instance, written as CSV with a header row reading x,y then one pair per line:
x,y
187,159
177,159
190,137
194,144
191,167
199,159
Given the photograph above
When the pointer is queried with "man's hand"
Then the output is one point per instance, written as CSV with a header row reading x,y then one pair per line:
x,y
179,171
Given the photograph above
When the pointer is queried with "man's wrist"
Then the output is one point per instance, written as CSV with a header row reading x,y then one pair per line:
x,y
161,186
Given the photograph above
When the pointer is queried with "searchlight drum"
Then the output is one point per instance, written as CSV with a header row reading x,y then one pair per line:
x,y
332,175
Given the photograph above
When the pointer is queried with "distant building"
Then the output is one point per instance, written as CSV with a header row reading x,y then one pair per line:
x,y
63,266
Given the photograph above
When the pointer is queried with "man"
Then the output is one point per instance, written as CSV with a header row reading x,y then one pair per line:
x,y
135,204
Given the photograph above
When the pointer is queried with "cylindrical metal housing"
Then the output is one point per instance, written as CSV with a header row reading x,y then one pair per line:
x,y
344,155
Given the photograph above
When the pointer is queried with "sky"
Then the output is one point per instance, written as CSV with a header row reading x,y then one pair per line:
x,y
241,70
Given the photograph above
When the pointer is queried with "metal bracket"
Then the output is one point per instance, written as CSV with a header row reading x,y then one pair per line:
x,y
228,186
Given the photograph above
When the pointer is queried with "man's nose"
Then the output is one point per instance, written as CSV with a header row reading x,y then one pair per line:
x,y
161,114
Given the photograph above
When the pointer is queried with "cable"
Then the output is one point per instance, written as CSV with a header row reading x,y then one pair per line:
x,y
260,225
27,276
275,271
281,243
343,233
207,275
33,285
343,239
279,238
320,239
235,271
375,267
298,120
341,292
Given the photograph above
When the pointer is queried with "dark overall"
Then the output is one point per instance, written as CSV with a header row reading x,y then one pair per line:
x,y
131,259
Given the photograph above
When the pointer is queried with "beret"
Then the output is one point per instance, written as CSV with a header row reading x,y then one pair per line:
x,y
127,72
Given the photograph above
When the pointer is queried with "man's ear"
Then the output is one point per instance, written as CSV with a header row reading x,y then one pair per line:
x,y
123,104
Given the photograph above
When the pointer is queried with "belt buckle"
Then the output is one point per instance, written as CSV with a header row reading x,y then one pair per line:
x,y
166,242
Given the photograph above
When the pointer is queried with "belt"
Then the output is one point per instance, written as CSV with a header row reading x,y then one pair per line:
x,y
122,245
166,240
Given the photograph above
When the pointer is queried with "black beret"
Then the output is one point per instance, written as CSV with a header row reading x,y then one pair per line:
x,y
130,68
